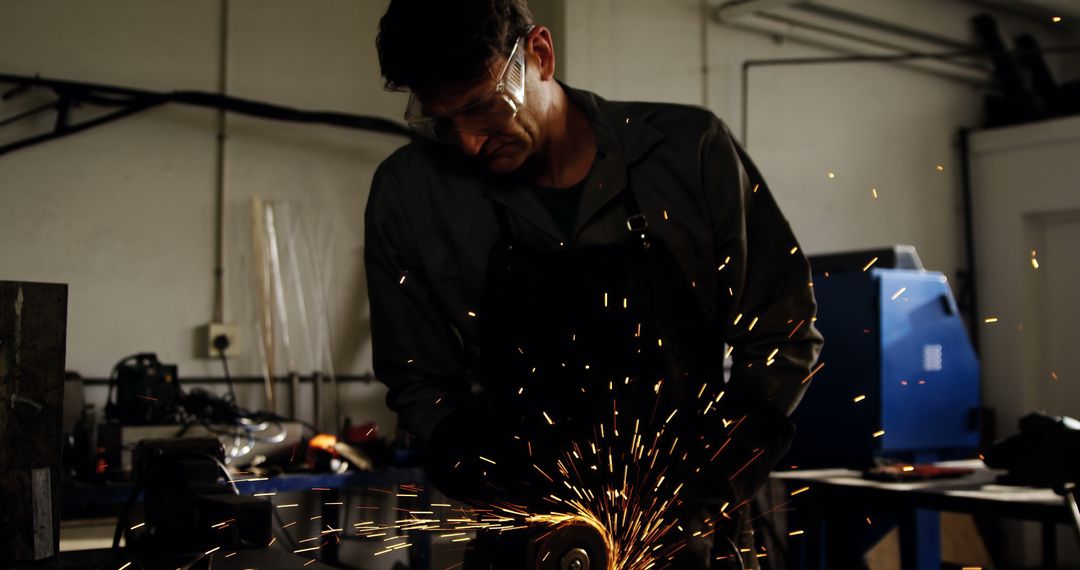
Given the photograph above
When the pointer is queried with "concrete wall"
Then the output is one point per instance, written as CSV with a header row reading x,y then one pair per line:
x,y
872,125
124,213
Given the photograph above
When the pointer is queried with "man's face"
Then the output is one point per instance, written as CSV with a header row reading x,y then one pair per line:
x,y
501,149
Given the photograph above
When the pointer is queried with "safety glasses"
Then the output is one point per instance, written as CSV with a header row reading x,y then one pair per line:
x,y
483,117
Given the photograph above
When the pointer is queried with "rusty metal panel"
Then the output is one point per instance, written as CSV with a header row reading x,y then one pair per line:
x,y
33,337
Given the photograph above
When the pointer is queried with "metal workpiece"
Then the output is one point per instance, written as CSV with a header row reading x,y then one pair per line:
x,y
575,559
571,547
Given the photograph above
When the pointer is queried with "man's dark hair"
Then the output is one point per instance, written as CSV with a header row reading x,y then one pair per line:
x,y
424,43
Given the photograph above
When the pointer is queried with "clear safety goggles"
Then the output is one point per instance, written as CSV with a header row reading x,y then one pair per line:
x,y
483,117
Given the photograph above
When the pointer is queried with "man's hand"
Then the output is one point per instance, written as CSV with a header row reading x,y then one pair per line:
x,y
746,435
476,459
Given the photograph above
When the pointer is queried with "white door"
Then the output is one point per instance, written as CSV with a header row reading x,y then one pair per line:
x,y
1026,198
1058,294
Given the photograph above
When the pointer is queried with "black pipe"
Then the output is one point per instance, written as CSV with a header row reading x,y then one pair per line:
x,y
362,378
889,58
27,113
137,100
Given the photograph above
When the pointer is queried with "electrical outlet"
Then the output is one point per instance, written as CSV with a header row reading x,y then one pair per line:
x,y
230,332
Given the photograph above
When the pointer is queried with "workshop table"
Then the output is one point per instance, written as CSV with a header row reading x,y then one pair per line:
x,y
918,505
81,498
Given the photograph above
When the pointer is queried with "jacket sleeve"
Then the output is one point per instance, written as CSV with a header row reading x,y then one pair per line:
x,y
768,317
418,355
416,351
765,277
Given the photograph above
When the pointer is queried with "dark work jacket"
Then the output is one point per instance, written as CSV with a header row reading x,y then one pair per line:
x,y
430,224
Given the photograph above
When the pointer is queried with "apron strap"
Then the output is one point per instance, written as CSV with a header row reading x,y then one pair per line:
x,y
504,222
636,222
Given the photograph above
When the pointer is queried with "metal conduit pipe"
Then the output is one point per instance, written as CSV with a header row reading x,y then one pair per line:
x,y
848,33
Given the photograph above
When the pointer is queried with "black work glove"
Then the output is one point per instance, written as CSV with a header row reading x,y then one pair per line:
x,y
746,436
474,457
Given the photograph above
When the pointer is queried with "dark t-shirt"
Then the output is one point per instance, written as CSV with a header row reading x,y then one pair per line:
x,y
563,204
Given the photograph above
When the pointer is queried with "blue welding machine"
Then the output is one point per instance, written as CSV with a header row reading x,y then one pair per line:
x,y
901,378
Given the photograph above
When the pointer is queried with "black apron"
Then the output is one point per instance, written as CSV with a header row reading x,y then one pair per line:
x,y
570,337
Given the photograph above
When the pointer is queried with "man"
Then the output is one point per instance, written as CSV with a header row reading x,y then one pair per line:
x,y
544,262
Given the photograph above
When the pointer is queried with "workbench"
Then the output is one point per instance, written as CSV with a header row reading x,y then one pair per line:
x,y
83,498
918,505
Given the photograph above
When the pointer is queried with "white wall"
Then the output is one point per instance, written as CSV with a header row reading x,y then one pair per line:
x,y
872,125
124,213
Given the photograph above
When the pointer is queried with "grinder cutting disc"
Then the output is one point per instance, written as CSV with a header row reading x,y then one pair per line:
x,y
570,547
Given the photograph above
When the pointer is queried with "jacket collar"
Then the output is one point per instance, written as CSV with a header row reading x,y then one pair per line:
x,y
622,139
617,130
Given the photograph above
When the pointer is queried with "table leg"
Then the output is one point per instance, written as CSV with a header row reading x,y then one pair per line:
x,y
920,540
331,515
813,554
420,552
1049,545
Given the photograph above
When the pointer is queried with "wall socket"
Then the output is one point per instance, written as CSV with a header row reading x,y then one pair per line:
x,y
214,330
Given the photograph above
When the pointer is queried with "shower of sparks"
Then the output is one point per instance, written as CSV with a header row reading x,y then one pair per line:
x,y
1056,19
870,263
627,488
630,506
625,481
859,398
897,294
990,320
879,433
798,326
873,192
813,372
940,168
831,175
1034,262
